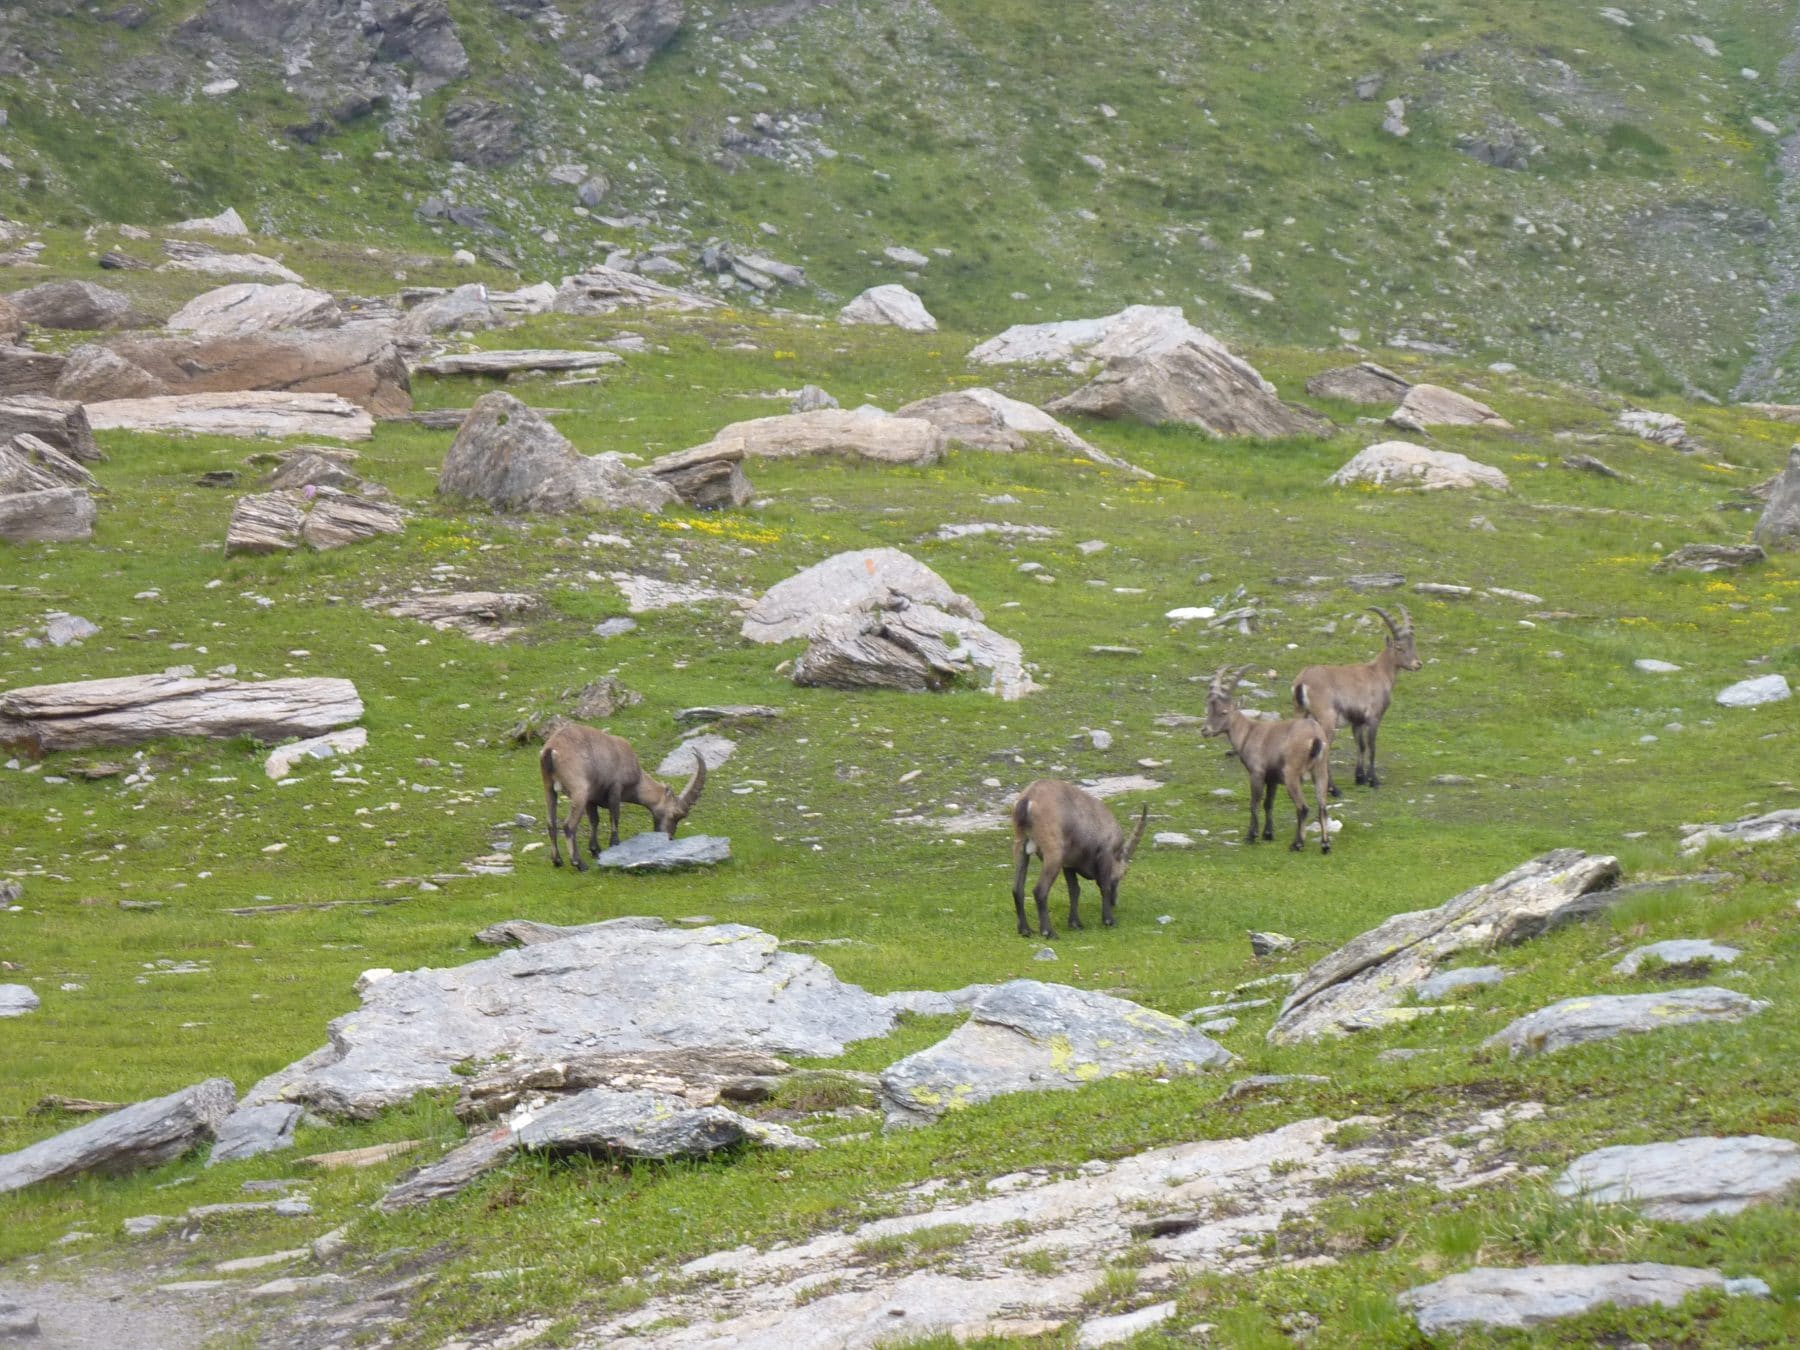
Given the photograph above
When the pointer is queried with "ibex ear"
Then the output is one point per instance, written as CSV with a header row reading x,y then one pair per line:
x,y
696,785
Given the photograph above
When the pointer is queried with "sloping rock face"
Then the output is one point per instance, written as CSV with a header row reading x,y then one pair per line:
x,y
1405,465
1490,1297
1193,385
1600,1017
845,584
28,464
251,307
983,419
601,988
511,458
249,415
1687,1179
1432,405
357,361
605,290
49,516
132,709
832,431
891,305
1365,983
1778,528
1024,1036
128,1140
1364,382
73,304
615,38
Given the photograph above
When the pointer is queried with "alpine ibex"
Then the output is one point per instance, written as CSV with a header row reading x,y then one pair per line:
x,y
1359,695
596,769
1273,753
1074,833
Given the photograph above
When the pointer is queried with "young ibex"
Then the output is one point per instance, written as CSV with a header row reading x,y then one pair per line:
x,y
595,769
1273,753
1359,695
1074,833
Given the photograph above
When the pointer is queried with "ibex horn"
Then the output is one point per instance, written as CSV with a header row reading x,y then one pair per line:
x,y
1392,626
1406,618
1137,835
691,793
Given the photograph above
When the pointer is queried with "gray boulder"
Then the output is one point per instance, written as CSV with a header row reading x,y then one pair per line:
x,y
847,583
646,1125
1754,693
1750,830
73,304
254,1130
653,852
1677,952
892,305
453,1173
831,431
600,988
28,464
1368,979
1711,558
1024,1036
709,477
59,423
1191,384
25,370
1600,1017
1402,464
1687,1179
253,307
1491,1297
142,1135
616,38
984,419
1439,987
510,457
465,307
1778,529
49,516
17,999
1432,405
1364,382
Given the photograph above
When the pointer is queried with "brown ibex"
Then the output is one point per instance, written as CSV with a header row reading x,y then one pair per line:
x,y
1273,754
1359,695
596,769
1072,831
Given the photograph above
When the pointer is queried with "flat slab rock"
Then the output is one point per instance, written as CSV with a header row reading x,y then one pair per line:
x,y
1528,1297
48,516
17,999
1754,693
1600,1017
654,852
506,362
711,747
1750,830
1677,952
486,616
1686,1179
132,709
1370,977
852,434
600,988
144,1134
249,414
282,761
1025,1036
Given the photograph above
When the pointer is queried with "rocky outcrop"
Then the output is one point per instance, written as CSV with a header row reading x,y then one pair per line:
x,y
1710,558
846,584
1778,528
1024,1036
710,477
613,39
1600,1017
252,307
983,419
50,516
1750,830
831,431
1366,982
73,304
605,290
1080,344
132,709
25,370
253,1131
466,307
1364,382
128,1140
59,423
1528,1297
511,458
601,988
28,464
1431,405
250,415
358,362
892,306
1191,384
1405,465
1688,1179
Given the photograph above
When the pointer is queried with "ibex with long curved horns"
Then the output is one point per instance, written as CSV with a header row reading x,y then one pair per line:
x,y
1359,695
1273,754
1074,833
596,769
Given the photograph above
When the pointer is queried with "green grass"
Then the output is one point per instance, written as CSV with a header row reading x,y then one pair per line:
x,y
1537,704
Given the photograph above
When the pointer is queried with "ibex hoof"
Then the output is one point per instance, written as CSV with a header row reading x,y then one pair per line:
x,y
557,861
1025,932
1110,923
1324,848
1298,846
1334,791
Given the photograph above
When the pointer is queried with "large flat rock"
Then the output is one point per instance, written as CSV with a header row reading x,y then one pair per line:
x,y
248,415
1432,405
254,307
1492,1297
1600,1017
1373,974
509,362
873,436
1686,1179
1761,829
654,852
600,988
647,1125
1024,1036
142,1135
132,709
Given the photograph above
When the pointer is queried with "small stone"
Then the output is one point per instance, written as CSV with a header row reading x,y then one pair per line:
x,y
1677,952
1651,666
1269,944
1755,692
1044,954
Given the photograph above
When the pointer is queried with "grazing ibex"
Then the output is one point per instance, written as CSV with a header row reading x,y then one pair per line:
x,y
595,769
1273,753
1359,695
1074,833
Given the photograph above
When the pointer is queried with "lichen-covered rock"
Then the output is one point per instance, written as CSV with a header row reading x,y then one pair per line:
x,y
1600,1017
1686,1179
1024,1036
510,457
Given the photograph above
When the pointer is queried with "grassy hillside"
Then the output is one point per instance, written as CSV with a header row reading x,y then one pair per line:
x,y
1550,737
1227,157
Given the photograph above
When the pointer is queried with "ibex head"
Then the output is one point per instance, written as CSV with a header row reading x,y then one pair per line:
x,y
1401,639
1219,699
674,806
